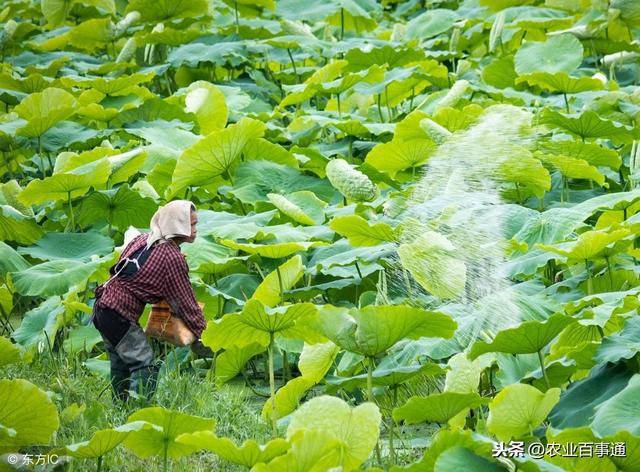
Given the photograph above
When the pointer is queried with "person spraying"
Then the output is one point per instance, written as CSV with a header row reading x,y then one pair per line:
x,y
150,269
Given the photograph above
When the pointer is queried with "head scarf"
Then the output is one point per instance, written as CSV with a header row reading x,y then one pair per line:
x,y
170,221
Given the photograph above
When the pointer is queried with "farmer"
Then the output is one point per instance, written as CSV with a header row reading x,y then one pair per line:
x,y
150,269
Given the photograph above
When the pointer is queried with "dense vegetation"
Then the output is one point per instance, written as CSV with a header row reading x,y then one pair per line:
x,y
336,151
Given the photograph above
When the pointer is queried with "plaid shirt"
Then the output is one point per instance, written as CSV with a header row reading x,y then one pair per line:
x,y
164,276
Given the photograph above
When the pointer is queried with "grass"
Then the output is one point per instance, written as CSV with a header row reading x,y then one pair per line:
x,y
83,401
84,405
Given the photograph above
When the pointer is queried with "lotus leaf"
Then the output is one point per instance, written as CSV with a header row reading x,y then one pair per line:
x,y
27,415
519,408
248,455
358,428
528,337
256,323
162,440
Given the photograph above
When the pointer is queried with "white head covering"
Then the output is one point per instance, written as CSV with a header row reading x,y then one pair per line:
x,y
170,221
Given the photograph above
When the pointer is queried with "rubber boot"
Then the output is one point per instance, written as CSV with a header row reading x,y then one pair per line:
x,y
144,382
120,381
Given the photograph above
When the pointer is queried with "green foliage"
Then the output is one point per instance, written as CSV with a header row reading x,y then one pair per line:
x,y
306,133
27,415
356,428
162,441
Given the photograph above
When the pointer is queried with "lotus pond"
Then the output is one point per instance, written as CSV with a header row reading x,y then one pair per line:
x,y
417,242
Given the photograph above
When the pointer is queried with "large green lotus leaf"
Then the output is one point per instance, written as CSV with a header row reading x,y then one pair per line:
x,y
207,102
91,34
528,337
519,408
556,224
316,359
53,278
80,246
357,427
272,251
620,412
431,23
68,133
14,226
621,345
311,451
372,75
125,165
40,325
359,232
44,109
172,424
121,207
262,149
431,260
99,366
27,413
444,440
303,207
232,360
525,368
578,403
82,339
461,458
255,180
561,82
456,120
248,455
354,14
500,73
629,11
387,374
525,170
9,192
256,323
574,168
464,374
67,161
9,352
68,185
376,328
152,110
287,398
562,53
305,91
398,155
214,154
271,291
593,153
10,260
105,440
437,408
592,244
630,461
588,124
154,11
577,461
394,57
207,257
224,225
56,11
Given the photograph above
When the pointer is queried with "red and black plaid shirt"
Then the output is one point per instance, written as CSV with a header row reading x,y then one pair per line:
x,y
164,276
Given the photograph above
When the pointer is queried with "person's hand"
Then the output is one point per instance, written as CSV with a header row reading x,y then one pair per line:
x,y
200,349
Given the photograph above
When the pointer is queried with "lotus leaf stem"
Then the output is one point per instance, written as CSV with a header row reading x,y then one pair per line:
x,y
272,387
544,372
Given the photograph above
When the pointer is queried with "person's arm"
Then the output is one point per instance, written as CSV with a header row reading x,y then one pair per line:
x,y
179,293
